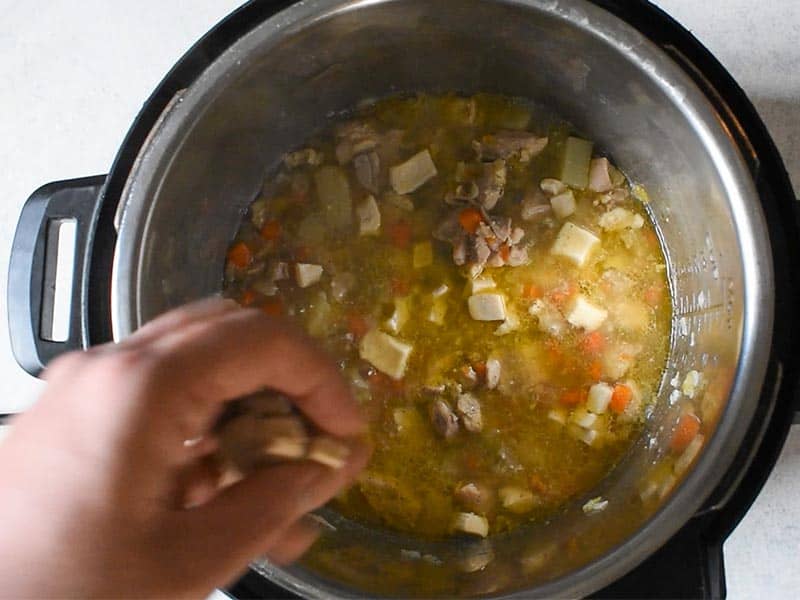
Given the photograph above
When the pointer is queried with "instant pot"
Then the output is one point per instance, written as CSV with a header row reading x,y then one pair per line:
x,y
152,235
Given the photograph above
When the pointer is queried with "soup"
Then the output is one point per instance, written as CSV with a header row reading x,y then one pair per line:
x,y
492,288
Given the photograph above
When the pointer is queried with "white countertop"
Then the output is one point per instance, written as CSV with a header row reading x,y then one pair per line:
x,y
73,75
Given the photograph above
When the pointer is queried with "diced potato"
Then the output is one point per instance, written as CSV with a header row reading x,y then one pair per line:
x,y
437,312
631,315
599,175
575,243
575,162
492,373
510,324
617,359
582,313
412,174
691,383
550,319
422,255
587,436
595,505
327,451
440,291
307,274
559,415
563,204
480,284
487,307
333,192
400,315
620,218
515,499
583,418
471,523
386,353
552,186
369,216
599,397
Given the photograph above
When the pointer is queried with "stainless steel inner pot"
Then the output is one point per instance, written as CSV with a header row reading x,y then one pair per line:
x,y
205,160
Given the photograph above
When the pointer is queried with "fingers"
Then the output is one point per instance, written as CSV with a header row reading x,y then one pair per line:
x,y
253,514
294,542
243,351
196,484
201,310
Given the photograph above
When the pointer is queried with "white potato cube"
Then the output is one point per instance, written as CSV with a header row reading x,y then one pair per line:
x,y
410,175
369,216
563,204
559,415
515,499
599,397
587,436
307,274
552,186
480,284
400,315
487,307
691,383
440,291
582,313
510,324
386,353
620,218
583,418
471,523
575,243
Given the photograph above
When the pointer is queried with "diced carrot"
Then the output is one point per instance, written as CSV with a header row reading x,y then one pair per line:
x,y
470,218
399,234
652,295
247,298
240,255
400,286
357,325
480,368
572,397
595,370
593,342
505,252
686,430
538,484
273,307
620,397
531,291
562,293
271,230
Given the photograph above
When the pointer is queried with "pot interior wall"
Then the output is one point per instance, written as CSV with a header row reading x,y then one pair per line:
x,y
278,89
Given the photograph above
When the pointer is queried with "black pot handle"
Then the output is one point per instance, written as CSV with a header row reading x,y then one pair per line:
x,y
32,269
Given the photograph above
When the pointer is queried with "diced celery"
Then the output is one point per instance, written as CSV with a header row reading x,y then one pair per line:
x,y
333,192
575,162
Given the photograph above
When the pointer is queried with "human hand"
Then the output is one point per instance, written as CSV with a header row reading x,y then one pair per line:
x,y
95,476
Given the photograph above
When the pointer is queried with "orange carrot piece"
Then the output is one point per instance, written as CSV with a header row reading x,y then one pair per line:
x,y
357,325
248,297
593,342
652,295
271,230
595,370
240,255
399,234
531,291
470,218
620,397
538,484
572,397
480,368
505,252
273,307
688,427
